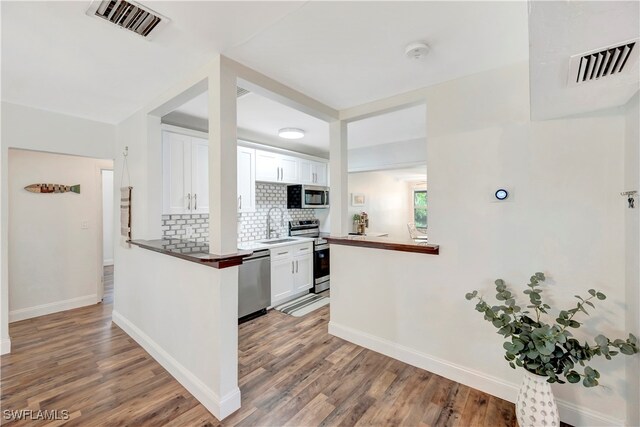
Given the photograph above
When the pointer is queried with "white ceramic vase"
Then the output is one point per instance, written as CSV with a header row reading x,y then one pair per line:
x,y
536,405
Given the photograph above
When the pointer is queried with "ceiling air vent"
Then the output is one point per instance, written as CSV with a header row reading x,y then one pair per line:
x,y
601,63
240,91
129,16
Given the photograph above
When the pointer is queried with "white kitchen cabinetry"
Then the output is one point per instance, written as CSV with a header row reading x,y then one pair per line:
x,y
303,277
246,179
185,174
312,172
200,175
273,167
291,271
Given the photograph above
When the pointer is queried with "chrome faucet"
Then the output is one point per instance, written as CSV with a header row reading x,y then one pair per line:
x,y
269,220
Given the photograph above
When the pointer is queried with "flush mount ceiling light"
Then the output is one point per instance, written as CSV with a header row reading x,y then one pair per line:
x,y
416,50
291,133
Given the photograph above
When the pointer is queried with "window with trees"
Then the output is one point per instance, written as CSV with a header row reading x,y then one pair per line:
x,y
420,208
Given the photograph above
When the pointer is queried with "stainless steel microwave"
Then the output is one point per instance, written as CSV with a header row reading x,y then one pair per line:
x,y
307,197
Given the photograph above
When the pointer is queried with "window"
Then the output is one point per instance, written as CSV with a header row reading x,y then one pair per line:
x,y
420,208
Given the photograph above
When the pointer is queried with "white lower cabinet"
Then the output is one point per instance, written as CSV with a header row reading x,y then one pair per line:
x,y
303,277
291,271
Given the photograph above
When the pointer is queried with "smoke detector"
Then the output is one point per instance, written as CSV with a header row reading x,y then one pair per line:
x,y
416,50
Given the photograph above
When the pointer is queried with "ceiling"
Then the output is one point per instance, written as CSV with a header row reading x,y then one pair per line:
x,y
402,125
559,30
54,57
260,118
348,53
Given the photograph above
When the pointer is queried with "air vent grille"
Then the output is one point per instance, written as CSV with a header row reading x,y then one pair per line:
x,y
128,15
241,91
602,63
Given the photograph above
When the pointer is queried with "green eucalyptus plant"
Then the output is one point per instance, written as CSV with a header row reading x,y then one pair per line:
x,y
548,349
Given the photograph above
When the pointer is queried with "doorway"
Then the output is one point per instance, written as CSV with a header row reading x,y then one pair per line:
x,y
107,225
55,233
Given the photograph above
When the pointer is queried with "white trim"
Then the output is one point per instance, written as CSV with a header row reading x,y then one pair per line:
x,y
265,86
184,131
385,105
272,149
52,307
220,408
5,346
107,262
569,412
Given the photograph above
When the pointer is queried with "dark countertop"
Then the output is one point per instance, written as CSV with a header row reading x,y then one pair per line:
x,y
192,251
384,243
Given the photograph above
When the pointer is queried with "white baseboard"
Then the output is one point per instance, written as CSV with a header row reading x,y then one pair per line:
x,y
220,408
5,346
569,412
107,262
52,307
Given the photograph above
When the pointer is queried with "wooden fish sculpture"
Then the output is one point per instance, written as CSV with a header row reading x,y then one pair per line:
x,y
53,188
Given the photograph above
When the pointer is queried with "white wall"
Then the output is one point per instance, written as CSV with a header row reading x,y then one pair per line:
x,y
107,217
387,202
566,218
175,310
632,250
33,129
52,258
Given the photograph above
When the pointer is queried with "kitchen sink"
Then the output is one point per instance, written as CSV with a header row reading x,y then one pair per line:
x,y
273,242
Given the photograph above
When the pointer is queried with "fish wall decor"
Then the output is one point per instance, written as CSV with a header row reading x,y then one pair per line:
x,y
53,188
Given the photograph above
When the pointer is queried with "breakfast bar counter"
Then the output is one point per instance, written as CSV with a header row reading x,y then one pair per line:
x,y
190,250
383,243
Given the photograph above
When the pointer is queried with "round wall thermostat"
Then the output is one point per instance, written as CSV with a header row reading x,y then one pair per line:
x,y
502,194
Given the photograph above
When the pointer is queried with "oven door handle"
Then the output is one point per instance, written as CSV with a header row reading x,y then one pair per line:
x,y
321,247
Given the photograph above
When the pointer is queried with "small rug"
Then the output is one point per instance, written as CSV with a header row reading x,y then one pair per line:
x,y
303,305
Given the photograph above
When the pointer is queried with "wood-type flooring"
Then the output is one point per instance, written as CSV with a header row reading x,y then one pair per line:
x,y
291,372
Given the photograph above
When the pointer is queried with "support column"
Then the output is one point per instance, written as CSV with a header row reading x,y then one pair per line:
x,y
223,213
339,178
223,230
5,341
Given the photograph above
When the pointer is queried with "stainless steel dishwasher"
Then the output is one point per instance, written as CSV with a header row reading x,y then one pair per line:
x,y
254,285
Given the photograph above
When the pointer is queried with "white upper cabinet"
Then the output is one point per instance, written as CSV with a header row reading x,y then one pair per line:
x,y
272,167
321,173
200,175
312,172
289,170
279,168
267,166
246,179
185,174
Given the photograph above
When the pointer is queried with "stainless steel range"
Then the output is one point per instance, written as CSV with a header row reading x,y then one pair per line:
x,y
311,228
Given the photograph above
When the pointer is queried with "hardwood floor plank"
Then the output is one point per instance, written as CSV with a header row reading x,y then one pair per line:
x,y
291,372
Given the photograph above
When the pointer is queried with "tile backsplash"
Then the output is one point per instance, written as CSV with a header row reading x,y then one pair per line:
x,y
177,226
251,225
